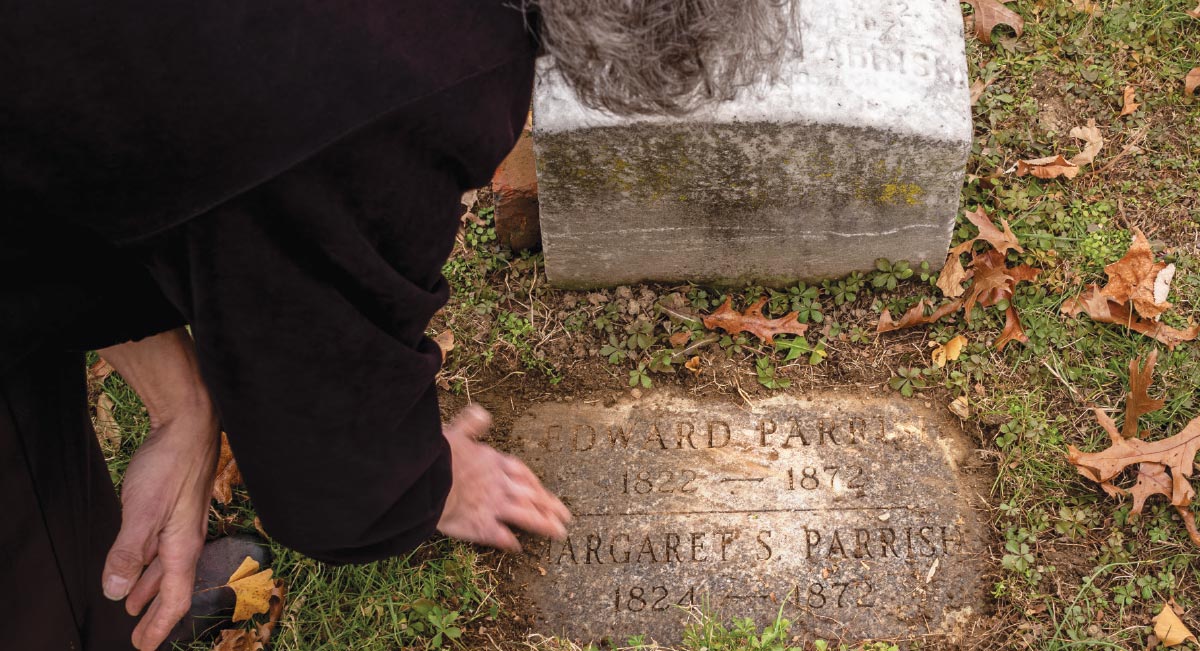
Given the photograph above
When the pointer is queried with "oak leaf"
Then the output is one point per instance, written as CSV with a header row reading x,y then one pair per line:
x,y
1191,81
1135,277
1050,167
1105,310
1013,331
1169,629
990,14
950,280
916,316
228,474
753,321
1093,142
1128,106
1001,240
1139,403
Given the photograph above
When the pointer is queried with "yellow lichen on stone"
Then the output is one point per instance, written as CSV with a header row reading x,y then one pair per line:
x,y
908,193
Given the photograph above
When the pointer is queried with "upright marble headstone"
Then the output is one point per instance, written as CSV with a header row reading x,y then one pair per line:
x,y
857,153
853,518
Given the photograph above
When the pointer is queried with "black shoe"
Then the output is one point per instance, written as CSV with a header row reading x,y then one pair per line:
x,y
212,609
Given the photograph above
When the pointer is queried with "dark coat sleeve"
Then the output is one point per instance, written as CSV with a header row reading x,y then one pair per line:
x,y
309,297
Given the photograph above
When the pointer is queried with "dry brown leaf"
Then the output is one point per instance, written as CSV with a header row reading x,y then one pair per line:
x,y
1152,479
977,88
1012,329
1139,403
680,339
991,13
949,351
108,431
1050,167
693,364
950,280
1104,309
445,342
1093,141
992,282
916,316
1176,452
1169,629
235,639
1135,277
1001,240
228,474
99,371
253,589
1128,106
753,321
1194,13
1191,81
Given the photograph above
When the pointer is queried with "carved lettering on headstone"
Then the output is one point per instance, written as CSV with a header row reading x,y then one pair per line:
x,y
852,515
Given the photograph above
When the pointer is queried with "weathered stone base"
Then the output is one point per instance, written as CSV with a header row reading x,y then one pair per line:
x,y
741,202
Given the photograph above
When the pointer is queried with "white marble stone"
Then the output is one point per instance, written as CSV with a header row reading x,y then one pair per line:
x,y
856,153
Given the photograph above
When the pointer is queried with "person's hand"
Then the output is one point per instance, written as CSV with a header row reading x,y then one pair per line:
x,y
493,491
164,511
167,486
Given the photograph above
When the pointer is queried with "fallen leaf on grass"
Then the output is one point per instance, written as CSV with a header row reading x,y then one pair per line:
x,y
1139,403
1050,167
916,316
753,321
949,351
1169,629
1128,106
1191,81
693,365
1138,278
990,14
680,339
253,589
1093,141
1194,13
1105,310
950,280
99,371
1163,466
445,342
107,429
257,638
228,474
992,280
1001,240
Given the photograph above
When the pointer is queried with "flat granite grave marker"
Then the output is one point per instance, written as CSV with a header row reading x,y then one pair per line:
x,y
852,515
856,153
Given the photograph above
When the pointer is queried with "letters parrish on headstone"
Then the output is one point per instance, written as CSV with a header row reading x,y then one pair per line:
x,y
857,153
851,515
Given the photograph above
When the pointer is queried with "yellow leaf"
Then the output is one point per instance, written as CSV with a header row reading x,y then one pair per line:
x,y
1169,628
949,352
253,590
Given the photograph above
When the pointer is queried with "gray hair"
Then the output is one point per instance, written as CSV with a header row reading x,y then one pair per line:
x,y
664,56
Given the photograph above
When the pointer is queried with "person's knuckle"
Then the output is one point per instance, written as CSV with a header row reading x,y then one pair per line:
x,y
125,559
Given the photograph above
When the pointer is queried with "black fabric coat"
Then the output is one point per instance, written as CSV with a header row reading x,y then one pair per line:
x,y
284,177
